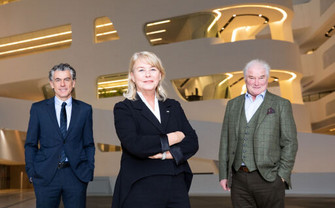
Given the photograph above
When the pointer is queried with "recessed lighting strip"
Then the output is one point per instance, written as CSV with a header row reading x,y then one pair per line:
x,y
155,40
155,32
266,19
108,82
225,80
246,6
124,85
104,25
34,39
106,33
158,23
37,46
294,75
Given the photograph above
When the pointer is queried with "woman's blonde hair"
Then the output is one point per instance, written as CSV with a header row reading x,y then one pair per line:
x,y
152,59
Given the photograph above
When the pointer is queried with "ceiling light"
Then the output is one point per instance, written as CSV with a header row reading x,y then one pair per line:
x,y
246,6
158,23
104,25
287,72
106,33
34,39
225,80
37,46
155,32
215,20
108,82
155,40
310,52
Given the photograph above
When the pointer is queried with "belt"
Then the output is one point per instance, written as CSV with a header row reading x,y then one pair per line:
x,y
63,165
244,169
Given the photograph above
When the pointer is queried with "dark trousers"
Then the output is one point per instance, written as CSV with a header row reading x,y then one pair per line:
x,y
64,185
250,190
159,191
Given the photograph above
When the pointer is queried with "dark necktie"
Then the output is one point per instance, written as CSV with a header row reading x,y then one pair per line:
x,y
63,128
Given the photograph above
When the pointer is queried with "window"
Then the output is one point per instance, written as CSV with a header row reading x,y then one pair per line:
x,y
204,87
43,40
104,30
112,85
182,28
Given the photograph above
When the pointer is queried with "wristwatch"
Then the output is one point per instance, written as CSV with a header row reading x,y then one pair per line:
x,y
164,156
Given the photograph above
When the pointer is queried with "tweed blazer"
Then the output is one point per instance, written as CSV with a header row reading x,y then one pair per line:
x,y
274,140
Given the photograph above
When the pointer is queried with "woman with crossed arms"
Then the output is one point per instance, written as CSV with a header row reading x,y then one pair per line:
x,y
156,139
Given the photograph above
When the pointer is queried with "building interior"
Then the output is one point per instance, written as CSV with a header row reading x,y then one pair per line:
x,y
203,45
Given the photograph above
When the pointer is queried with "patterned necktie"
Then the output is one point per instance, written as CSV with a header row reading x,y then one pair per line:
x,y
63,128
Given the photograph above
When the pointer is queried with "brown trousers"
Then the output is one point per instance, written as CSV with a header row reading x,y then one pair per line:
x,y
250,190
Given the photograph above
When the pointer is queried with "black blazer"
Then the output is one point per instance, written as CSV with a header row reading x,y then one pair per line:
x,y
44,142
141,136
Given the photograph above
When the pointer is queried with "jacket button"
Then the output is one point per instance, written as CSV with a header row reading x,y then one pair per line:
x,y
64,142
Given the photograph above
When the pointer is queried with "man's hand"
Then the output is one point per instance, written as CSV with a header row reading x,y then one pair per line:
x,y
224,184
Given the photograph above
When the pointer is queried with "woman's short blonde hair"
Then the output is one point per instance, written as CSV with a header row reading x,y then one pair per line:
x,y
152,59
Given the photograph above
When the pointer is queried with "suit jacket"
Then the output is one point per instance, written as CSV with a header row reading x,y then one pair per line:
x,y
142,135
275,138
44,142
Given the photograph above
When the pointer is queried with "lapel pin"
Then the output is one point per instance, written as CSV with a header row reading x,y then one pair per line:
x,y
167,111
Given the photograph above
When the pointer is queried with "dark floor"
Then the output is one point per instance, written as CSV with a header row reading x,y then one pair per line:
x,y
26,199
224,202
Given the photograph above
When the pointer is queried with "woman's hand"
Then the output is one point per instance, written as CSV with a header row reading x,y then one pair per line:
x,y
160,156
175,137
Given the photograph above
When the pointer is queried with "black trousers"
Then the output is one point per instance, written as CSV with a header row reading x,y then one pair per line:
x,y
159,191
250,190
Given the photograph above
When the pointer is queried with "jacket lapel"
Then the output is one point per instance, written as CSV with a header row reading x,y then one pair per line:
x,y
146,112
267,103
74,115
240,105
164,108
52,113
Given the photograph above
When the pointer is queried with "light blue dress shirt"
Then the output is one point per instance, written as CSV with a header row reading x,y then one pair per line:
x,y
251,106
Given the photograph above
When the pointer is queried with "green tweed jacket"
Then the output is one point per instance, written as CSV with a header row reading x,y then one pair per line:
x,y
275,138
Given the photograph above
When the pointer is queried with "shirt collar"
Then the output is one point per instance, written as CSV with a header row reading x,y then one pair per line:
x,y
262,95
59,101
142,96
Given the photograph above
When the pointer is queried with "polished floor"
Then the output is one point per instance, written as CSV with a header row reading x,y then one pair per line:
x,y
26,199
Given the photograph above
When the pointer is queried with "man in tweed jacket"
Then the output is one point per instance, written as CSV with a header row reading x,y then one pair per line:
x,y
258,143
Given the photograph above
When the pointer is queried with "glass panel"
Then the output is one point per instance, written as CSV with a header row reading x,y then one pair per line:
x,y
112,85
104,30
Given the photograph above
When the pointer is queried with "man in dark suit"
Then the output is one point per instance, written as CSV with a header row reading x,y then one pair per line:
x,y
258,143
59,148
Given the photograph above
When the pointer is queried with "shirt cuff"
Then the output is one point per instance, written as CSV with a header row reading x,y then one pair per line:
x,y
177,154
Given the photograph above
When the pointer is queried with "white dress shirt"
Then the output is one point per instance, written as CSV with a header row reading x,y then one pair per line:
x,y
156,112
